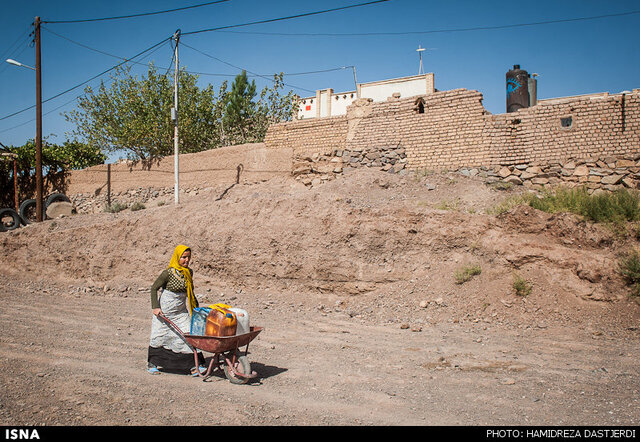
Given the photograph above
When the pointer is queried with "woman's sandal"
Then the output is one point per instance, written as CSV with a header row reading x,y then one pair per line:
x,y
153,370
194,372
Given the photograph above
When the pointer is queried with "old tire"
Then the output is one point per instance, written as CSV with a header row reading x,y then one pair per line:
x,y
9,219
56,197
28,211
241,365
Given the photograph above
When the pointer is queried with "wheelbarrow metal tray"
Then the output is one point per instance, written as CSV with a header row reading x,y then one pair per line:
x,y
220,344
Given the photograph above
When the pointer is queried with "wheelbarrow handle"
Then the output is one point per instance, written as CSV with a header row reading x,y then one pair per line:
x,y
172,325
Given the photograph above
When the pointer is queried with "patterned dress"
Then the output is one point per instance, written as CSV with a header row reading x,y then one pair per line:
x,y
167,349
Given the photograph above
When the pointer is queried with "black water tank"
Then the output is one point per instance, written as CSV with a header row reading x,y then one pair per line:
x,y
517,89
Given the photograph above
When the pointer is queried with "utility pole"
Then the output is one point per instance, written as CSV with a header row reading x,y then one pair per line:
x,y
39,202
355,80
174,116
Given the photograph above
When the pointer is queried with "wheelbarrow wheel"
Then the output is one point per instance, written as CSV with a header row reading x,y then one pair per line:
x,y
240,365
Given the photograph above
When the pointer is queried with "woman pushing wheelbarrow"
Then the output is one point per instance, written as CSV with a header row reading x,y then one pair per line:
x,y
171,348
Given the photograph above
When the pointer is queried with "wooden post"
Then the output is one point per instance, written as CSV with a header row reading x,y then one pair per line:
x,y
39,189
109,185
15,185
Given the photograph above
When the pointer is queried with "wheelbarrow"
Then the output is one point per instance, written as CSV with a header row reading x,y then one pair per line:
x,y
226,352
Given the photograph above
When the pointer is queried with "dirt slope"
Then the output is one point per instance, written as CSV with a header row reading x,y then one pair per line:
x,y
354,282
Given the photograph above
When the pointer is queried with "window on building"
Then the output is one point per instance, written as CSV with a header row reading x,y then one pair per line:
x,y
566,122
419,106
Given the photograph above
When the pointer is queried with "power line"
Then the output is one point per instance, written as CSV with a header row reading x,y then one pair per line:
x,y
477,28
46,113
15,47
307,14
271,20
11,47
242,69
87,81
188,71
73,99
134,15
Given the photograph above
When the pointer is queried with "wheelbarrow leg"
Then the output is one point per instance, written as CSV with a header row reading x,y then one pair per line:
x,y
209,369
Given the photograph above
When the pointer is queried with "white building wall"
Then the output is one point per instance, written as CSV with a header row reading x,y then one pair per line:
x,y
406,87
326,103
307,108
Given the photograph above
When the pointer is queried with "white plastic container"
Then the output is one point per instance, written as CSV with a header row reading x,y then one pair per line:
x,y
242,318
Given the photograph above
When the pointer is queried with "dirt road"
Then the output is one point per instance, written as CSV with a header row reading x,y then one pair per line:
x,y
75,358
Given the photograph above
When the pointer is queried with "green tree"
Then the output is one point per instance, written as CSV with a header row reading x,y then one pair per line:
x,y
246,120
240,111
134,115
57,161
273,107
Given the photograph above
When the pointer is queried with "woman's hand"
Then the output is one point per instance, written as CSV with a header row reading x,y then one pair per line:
x,y
157,311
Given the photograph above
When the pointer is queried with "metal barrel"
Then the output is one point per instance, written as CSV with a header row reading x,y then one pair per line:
x,y
517,89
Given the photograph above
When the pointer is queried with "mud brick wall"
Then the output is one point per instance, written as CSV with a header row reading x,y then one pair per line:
x,y
451,130
451,133
598,127
310,136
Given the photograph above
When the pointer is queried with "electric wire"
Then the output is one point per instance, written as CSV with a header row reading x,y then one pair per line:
x,y
86,81
134,15
242,69
271,20
435,31
11,47
73,99
173,56
188,71
44,115
223,28
16,49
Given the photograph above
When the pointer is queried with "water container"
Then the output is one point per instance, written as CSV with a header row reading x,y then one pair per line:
x,y
221,322
243,320
198,320
517,89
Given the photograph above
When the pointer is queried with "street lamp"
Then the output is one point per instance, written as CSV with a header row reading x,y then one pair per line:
x,y
39,203
17,63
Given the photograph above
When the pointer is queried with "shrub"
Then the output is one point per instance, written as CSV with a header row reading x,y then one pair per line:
x,y
521,285
501,185
448,205
508,204
137,206
629,267
115,207
466,273
613,207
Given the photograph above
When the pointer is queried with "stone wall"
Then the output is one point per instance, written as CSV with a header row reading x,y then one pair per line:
x,y
451,130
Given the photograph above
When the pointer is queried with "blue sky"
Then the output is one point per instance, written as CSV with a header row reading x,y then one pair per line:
x,y
380,40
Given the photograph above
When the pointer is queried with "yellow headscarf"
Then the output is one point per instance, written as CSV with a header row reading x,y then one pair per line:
x,y
175,263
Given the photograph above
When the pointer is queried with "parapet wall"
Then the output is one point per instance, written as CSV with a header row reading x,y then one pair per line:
x,y
451,130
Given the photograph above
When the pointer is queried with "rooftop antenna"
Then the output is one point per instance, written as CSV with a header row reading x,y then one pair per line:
x,y
420,50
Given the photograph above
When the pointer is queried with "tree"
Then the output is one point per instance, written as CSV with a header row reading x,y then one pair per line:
x,y
134,115
246,120
274,107
57,161
240,110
